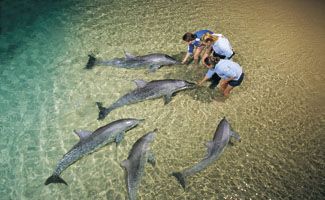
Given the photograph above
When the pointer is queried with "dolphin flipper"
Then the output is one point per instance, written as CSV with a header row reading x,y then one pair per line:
x,y
153,68
167,98
54,179
235,135
151,159
180,178
119,138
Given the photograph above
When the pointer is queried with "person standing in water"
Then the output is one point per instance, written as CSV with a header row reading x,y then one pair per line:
x,y
195,46
217,45
231,73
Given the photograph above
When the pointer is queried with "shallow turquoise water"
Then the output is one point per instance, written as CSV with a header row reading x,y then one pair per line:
x,y
46,93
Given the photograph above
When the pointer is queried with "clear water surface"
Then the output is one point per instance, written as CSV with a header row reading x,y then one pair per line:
x,y
45,94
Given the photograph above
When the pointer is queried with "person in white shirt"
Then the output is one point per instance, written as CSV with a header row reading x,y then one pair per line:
x,y
231,73
218,45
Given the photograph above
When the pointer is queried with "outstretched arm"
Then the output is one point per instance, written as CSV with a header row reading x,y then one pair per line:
x,y
203,80
186,58
190,50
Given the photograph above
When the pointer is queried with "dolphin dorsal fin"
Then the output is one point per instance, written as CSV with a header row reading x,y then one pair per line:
x,y
209,145
125,164
83,134
128,55
140,83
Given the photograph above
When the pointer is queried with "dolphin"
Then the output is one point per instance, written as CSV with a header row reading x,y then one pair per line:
x,y
215,148
91,141
147,90
134,165
154,61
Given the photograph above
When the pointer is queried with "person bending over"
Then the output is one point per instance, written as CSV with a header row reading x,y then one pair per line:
x,y
231,73
217,45
195,46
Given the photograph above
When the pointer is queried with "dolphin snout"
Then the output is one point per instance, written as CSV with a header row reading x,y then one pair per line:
x,y
190,84
141,120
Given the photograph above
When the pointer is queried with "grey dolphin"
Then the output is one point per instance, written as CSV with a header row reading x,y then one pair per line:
x,y
147,90
215,148
91,141
134,165
154,61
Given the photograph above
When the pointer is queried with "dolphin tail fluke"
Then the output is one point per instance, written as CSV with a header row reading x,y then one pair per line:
x,y
180,178
91,62
103,112
100,106
55,179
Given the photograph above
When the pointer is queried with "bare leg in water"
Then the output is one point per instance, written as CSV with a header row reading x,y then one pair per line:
x,y
226,92
223,85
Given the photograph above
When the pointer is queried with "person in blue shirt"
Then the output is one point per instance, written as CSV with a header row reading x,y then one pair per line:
x,y
231,73
195,46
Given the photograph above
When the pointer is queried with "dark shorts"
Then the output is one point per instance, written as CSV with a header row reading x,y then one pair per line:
x,y
215,79
221,56
238,82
